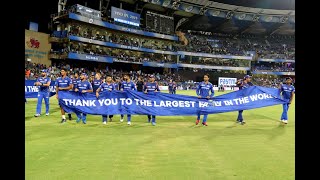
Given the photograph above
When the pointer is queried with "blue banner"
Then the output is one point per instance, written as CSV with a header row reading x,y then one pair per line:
x,y
164,104
121,28
163,65
124,16
90,57
31,91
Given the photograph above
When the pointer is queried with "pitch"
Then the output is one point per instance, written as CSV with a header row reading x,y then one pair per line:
x,y
174,149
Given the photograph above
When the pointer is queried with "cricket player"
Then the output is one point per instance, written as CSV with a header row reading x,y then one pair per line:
x,y
203,91
243,85
75,80
108,86
151,86
63,83
172,87
126,85
116,83
83,87
96,82
287,90
43,84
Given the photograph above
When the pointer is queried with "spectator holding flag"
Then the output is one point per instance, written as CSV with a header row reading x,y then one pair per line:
x,y
203,91
287,90
43,84
83,87
63,83
105,87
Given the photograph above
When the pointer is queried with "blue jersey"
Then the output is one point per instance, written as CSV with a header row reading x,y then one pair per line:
x,y
244,85
203,89
171,86
128,85
107,87
84,85
63,82
287,90
151,87
75,83
96,84
116,86
43,80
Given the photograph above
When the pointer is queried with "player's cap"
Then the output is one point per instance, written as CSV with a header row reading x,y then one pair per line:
x,y
84,74
288,78
151,76
43,70
246,76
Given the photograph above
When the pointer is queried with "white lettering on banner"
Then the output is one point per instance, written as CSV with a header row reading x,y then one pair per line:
x,y
122,100
255,97
203,104
79,102
174,103
228,102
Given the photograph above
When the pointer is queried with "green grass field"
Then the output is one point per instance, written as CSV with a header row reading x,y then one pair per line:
x,y
174,149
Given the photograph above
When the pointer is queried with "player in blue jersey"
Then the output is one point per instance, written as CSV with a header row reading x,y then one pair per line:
x,y
287,90
96,82
151,86
63,83
83,86
108,86
203,91
174,88
170,86
43,84
116,83
243,84
75,80
126,85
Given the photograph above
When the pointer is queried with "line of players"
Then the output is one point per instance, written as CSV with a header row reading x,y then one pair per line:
x,y
82,85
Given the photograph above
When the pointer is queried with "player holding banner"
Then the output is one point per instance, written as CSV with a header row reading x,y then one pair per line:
x,y
287,91
83,87
75,80
108,86
150,87
126,85
202,91
43,84
63,83
243,85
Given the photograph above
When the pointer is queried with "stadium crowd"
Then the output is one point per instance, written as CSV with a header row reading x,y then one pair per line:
x,y
33,71
278,47
275,67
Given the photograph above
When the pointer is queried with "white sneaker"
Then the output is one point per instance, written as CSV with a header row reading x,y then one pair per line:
x,y
104,122
129,123
285,121
36,115
47,114
121,120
